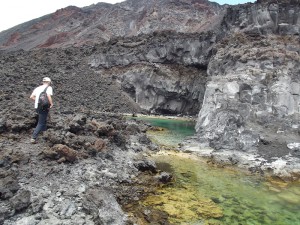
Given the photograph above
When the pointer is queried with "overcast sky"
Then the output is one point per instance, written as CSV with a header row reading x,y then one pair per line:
x,y
14,12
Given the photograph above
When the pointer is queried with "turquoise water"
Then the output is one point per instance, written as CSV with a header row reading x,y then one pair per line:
x,y
232,197
174,130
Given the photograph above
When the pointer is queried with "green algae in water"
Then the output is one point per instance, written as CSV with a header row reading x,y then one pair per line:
x,y
203,194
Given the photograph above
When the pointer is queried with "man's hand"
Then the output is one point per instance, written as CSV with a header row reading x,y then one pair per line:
x,y
32,97
50,101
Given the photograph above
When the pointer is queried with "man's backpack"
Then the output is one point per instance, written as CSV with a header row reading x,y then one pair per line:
x,y
43,103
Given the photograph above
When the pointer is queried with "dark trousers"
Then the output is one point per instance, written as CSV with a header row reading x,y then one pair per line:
x,y
41,126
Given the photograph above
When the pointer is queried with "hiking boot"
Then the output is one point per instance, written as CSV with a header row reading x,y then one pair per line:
x,y
32,141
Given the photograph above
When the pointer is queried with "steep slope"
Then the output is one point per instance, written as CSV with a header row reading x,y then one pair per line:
x,y
76,86
73,26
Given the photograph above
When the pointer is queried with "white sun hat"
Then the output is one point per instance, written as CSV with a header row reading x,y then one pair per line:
x,y
46,79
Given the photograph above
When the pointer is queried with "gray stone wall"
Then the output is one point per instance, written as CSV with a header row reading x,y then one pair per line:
x,y
252,86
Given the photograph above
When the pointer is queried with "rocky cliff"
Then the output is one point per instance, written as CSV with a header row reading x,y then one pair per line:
x,y
252,98
164,73
151,73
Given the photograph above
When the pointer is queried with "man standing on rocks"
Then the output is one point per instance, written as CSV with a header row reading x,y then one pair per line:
x,y
43,112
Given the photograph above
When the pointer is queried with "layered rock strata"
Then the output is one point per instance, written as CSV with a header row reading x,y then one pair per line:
x,y
250,115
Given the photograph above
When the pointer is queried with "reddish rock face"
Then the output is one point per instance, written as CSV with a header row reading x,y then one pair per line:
x,y
55,40
14,38
65,12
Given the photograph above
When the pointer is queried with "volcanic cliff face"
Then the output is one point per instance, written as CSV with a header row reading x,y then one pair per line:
x,y
252,99
252,85
163,73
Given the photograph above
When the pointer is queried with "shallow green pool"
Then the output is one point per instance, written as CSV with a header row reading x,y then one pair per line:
x,y
203,194
174,130
210,195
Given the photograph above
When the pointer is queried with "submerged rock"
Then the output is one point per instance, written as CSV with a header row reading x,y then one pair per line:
x,y
164,177
146,165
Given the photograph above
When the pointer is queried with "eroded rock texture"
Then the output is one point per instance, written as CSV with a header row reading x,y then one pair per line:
x,y
163,73
253,87
79,172
263,18
252,101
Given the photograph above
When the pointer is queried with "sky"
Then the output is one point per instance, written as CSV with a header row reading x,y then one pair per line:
x,y
14,12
